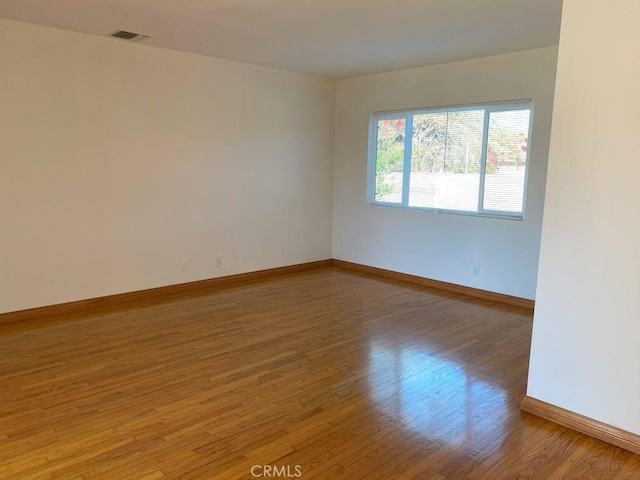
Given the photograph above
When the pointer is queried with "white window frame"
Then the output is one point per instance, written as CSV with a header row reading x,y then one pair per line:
x,y
407,115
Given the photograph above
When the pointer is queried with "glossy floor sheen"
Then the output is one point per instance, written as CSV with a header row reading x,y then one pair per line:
x,y
325,374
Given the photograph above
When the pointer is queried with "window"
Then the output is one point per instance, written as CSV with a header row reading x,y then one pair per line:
x,y
466,159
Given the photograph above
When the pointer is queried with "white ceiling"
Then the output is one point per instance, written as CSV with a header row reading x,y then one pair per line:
x,y
334,38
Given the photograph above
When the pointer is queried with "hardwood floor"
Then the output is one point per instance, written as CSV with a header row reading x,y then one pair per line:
x,y
317,375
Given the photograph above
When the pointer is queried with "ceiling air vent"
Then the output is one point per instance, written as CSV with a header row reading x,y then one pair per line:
x,y
130,36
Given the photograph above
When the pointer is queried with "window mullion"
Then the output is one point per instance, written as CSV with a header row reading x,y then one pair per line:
x,y
483,159
406,170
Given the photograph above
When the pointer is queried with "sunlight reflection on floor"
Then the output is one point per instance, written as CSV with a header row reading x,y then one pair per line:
x,y
432,396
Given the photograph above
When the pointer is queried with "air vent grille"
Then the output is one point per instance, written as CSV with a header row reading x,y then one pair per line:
x,y
131,36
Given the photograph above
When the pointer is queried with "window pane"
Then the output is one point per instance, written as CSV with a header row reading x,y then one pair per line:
x,y
506,160
427,157
445,161
390,160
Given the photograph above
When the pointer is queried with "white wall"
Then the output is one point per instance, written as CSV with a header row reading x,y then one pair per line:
x,y
442,246
585,354
119,160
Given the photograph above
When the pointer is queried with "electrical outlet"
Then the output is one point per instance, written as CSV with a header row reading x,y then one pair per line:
x,y
219,261
475,271
185,264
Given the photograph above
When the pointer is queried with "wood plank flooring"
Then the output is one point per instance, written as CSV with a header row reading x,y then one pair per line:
x,y
316,375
